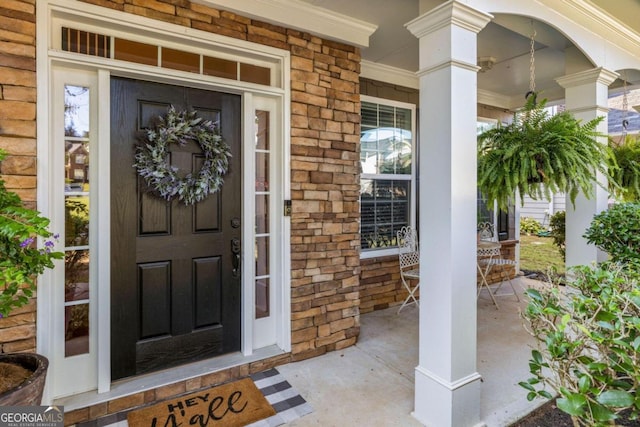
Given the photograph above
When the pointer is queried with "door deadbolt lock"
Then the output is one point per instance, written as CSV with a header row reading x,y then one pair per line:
x,y
235,245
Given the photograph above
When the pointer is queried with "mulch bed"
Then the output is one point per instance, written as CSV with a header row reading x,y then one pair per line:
x,y
548,415
542,276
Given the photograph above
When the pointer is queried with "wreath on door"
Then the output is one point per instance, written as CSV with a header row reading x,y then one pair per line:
x,y
164,180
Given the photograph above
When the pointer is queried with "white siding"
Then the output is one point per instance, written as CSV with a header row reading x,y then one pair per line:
x,y
541,210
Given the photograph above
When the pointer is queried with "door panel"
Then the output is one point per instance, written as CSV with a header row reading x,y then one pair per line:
x,y
175,297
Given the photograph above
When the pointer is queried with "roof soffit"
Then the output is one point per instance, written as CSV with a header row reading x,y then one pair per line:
x,y
301,16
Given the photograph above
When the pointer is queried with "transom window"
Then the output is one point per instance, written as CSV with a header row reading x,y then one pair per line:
x,y
386,158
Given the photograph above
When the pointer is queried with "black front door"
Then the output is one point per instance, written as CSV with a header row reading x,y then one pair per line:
x,y
174,296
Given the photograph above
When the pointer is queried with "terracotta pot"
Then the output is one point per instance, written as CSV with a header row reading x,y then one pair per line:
x,y
29,393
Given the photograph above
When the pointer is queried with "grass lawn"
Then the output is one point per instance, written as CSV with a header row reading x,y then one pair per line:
x,y
539,253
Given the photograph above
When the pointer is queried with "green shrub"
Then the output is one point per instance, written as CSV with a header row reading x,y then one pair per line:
x,y
557,224
20,259
588,333
617,232
588,344
625,170
530,226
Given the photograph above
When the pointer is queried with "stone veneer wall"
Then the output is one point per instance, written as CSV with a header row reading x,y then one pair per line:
x,y
325,129
380,284
18,138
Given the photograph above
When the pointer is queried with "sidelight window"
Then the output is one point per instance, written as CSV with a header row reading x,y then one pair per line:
x,y
76,228
262,231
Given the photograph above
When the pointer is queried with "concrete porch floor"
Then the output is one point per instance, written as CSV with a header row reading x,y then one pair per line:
x,y
372,383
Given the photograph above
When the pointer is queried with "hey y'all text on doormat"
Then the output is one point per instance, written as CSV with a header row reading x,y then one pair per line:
x,y
233,404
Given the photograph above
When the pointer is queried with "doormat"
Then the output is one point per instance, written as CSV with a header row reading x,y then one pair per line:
x,y
284,399
234,404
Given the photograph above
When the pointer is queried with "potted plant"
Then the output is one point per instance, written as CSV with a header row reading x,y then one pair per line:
x,y
539,154
21,262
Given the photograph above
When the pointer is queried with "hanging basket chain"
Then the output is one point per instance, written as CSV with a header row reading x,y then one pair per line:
x,y
532,62
625,107
532,67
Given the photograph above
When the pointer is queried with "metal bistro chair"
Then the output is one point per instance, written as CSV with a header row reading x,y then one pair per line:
x,y
490,255
409,257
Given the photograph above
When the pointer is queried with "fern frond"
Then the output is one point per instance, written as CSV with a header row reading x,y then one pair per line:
x,y
539,153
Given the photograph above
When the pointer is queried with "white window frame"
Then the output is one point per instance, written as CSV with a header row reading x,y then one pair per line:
x,y
372,253
82,366
266,329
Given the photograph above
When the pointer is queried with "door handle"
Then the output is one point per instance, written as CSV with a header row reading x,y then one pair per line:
x,y
235,258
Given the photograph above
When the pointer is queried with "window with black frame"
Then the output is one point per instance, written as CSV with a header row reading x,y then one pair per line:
x,y
386,159
486,213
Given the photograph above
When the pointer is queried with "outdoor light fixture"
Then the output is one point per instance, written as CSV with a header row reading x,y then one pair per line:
x,y
486,63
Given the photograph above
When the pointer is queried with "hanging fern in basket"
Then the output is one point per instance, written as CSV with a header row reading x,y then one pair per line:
x,y
626,171
539,154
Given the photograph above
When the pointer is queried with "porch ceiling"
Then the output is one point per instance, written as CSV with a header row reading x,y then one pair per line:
x,y
506,39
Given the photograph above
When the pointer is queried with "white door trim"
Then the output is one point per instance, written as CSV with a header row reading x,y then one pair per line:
x,y
50,14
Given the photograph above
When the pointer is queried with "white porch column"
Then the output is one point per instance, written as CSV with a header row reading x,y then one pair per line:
x,y
447,389
586,95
